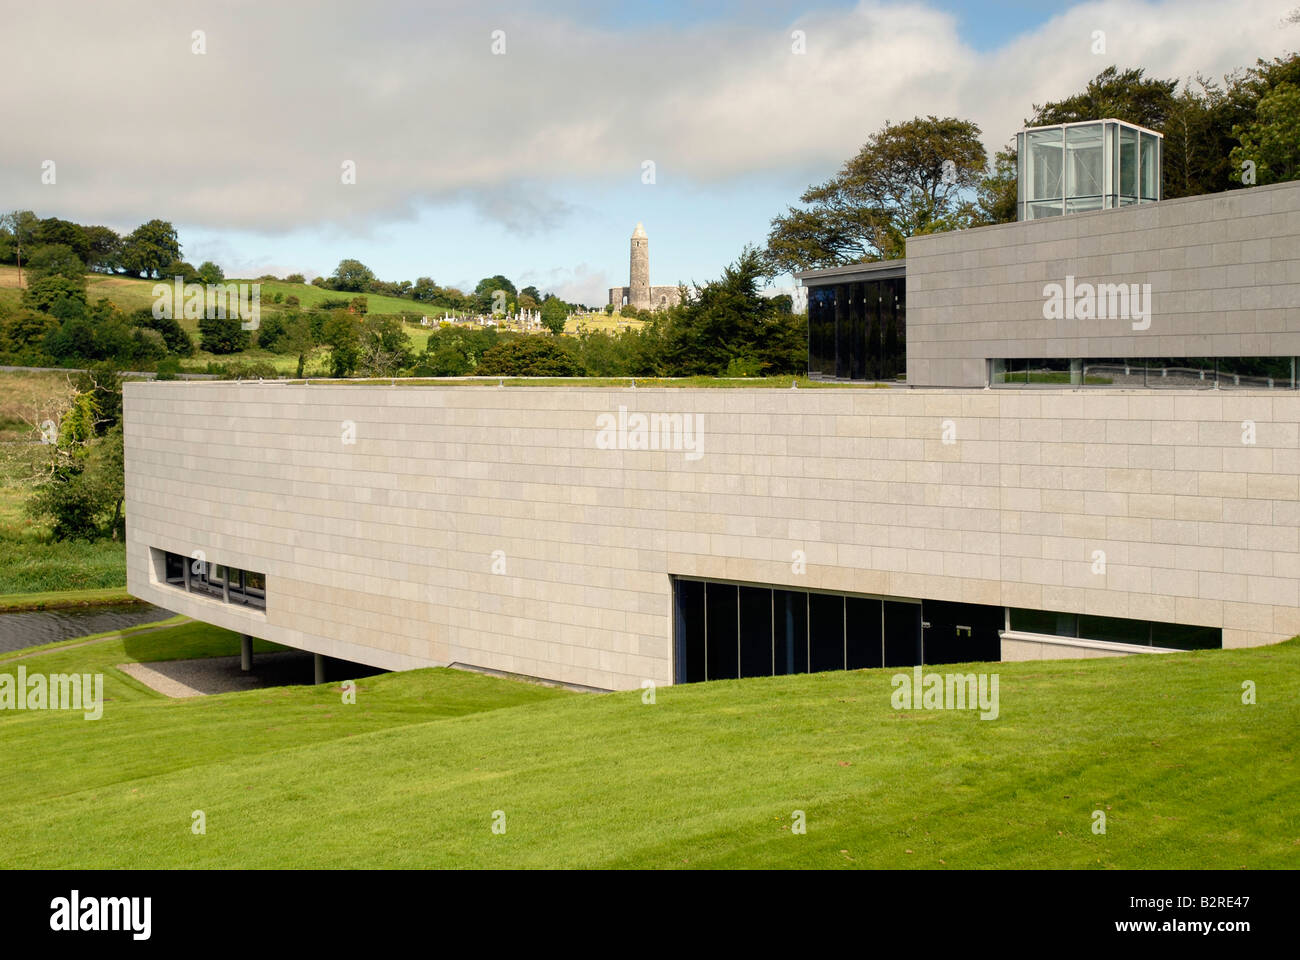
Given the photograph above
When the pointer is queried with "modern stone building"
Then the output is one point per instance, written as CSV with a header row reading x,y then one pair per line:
x,y
639,293
1048,479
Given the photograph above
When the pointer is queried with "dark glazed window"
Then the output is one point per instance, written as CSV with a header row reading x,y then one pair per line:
x,y
826,631
723,653
863,633
791,629
842,365
690,630
902,634
755,631
174,565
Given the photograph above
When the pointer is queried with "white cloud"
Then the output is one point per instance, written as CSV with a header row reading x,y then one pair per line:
x,y
580,284
252,134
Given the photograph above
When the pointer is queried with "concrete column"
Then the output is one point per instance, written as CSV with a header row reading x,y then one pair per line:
x,y
245,652
1076,373
320,668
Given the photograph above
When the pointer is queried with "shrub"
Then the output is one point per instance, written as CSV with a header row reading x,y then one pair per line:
x,y
176,337
217,335
529,356
744,367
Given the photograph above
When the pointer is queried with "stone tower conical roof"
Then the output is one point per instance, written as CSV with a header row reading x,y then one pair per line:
x,y
639,233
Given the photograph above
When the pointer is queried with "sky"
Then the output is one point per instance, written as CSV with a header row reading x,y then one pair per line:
x,y
533,161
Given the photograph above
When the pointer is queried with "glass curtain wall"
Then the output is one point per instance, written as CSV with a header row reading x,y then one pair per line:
x,y
1077,167
1179,373
858,331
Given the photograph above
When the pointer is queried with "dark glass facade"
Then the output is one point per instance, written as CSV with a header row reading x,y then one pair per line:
x,y
726,630
1180,373
858,330
1142,633
722,631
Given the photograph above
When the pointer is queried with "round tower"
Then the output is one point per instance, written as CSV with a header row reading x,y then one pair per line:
x,y
639,275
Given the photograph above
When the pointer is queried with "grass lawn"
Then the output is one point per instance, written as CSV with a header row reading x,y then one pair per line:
x,y
410,776
54,599
601,322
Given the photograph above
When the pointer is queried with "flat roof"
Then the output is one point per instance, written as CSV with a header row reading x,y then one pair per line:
x,y
1083,123
873,270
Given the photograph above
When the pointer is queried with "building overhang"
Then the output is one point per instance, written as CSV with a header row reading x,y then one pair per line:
x,y
854,273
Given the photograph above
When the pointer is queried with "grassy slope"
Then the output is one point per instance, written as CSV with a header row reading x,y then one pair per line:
x,y
410,775
131,293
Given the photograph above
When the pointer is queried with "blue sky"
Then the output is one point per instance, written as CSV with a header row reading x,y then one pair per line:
x,y
530,163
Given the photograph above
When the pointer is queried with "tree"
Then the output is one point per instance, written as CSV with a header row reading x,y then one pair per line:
x,y
295,278
55,260
17,236
1127,95
222,335
454,351
104,479
52,230
150,248
46,293
729,325
385,347
298,339
353,276
186,271
491,290
530,291
909,178
424,290
62,493
554,314
103,382
22,331
1272,140
104,249
209,272
73,340
997,190
342,334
